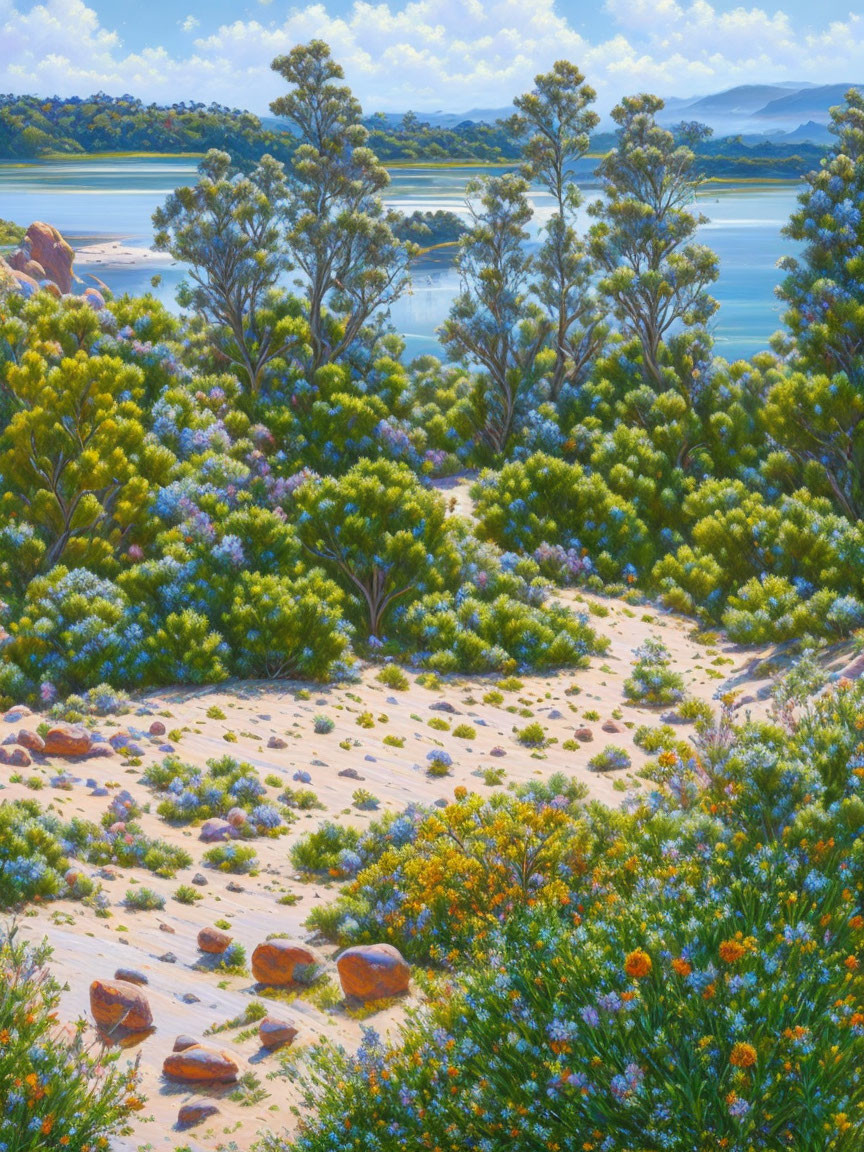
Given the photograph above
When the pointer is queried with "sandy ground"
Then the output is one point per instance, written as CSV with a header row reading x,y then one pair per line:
x,y
116,254
186,999
87,947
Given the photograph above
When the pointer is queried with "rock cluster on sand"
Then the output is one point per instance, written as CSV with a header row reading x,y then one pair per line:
x,y
373,972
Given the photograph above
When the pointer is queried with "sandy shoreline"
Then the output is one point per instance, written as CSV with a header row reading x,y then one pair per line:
x,y
116,254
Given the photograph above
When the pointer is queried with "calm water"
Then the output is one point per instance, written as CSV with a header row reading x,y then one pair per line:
x,y
94,200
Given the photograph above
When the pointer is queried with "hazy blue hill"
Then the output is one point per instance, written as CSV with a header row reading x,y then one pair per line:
x,y
743,100
809,104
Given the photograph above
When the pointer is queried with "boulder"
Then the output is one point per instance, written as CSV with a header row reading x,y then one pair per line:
x,y
277,742
32,741
25,284
584,735
131,976
612,726
276,962
45,248
236,817
183,1042
67,740
94,298
213,940
215,830
195,1113
19,758
119,1003
373,972
157,728
274,1033
201,1065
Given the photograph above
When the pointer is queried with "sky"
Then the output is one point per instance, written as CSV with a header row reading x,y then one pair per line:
x,y
428,55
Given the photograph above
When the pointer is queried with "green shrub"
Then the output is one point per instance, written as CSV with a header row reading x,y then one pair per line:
x,y
144,899
237,858
392,676
58,1091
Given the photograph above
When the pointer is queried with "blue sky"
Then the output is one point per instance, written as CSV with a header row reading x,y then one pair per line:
x,y
422,54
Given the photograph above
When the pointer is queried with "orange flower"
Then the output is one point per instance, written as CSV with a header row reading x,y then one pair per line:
x,y
681,967
732,950
743,1056
851,963
638,964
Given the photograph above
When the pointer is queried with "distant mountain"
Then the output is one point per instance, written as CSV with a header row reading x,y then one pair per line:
x,y
799,111
744,100
812,103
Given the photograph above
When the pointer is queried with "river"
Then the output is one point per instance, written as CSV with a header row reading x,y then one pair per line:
x,y
99,199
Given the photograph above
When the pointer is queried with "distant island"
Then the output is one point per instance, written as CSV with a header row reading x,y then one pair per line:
x,y
33,128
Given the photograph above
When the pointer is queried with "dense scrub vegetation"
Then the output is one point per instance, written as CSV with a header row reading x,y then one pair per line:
x,y
162,510
681,974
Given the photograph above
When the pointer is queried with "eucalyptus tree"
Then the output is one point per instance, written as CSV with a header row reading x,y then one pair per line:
x,y
554,121
823,286
338,232
847,124
655,276
227,230
492,322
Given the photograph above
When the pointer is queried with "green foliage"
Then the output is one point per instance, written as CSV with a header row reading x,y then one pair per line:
x,y
237,858
58,1090
286,628
544,501
652,680
382,535
144,899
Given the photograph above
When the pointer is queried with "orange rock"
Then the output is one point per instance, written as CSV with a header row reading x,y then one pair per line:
x,y
32,741
276,962
116,1003
67,740
213,940
274,1033
43,248
202,1065
373,972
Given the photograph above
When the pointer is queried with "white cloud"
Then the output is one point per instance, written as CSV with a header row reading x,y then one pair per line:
x,y
429,54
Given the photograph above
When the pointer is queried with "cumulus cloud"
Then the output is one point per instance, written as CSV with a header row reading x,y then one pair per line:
x,y
430,54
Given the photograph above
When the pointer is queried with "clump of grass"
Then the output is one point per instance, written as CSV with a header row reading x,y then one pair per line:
x,y
392,676
144,899
187,894
465,732
532,735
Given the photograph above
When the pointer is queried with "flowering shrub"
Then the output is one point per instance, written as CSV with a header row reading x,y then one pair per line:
x,y
57,1091
545,501
188,794
702,945
33,855
238,858
652,681
455,874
